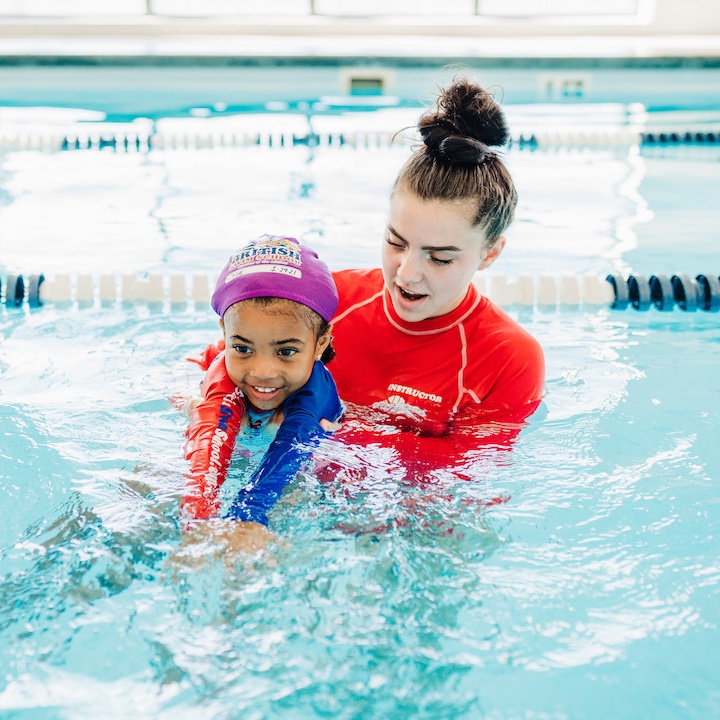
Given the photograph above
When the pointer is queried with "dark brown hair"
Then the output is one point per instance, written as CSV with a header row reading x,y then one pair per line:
x,y
457,160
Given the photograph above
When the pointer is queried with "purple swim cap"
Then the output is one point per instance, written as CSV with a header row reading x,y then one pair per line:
x,y
276,266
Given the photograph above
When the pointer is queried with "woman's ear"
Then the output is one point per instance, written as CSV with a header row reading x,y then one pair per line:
x,y
492,254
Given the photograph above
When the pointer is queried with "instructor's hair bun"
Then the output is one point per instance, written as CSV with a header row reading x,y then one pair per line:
x,y
466,124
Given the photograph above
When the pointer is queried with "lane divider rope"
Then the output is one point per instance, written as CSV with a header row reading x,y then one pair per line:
x,y
138,142
661,292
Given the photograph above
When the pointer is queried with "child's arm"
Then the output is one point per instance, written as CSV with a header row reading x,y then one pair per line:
x,y
214,426
316,400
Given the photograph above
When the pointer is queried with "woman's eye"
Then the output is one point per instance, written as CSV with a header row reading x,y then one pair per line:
x,y
441,261
242,349
286,352
394,244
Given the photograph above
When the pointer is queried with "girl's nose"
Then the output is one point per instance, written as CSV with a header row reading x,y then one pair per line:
x,y
262,368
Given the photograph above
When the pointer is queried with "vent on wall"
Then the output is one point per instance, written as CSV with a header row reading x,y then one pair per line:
x,y
559,88
366,81
367,86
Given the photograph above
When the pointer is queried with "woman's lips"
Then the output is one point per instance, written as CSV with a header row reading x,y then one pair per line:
x,y
410,296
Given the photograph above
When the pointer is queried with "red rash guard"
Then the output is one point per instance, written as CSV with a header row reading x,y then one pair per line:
x,y
474,363
453,383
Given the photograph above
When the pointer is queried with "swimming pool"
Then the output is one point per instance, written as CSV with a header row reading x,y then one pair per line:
x,y
590,592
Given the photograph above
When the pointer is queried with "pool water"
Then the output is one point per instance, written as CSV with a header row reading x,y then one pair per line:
x,y
590,591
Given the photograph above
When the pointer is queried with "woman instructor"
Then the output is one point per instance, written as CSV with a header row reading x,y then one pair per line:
x,y
415,338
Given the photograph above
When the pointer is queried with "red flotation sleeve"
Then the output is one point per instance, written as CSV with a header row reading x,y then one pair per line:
x,y
211,434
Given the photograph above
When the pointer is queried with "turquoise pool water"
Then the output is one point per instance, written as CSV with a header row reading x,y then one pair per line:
x,y
590,592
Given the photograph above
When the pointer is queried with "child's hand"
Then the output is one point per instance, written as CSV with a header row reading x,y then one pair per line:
x,y
232,541
246,537
183,404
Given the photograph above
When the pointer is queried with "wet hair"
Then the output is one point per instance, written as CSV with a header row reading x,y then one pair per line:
x,y
303,314
458,159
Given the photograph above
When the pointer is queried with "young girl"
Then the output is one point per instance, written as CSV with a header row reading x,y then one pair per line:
x,y
275,299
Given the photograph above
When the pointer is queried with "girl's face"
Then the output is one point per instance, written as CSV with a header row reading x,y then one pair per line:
x,y
269,352
430,254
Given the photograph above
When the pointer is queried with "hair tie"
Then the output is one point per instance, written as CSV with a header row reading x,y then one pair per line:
x,y
453,148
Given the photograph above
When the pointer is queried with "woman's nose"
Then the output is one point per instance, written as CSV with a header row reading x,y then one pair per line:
x,y
409,270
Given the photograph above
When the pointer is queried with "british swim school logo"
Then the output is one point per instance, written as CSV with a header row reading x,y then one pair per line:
x,y
271,254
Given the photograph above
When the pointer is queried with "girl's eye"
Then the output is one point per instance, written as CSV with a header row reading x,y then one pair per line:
x,y
393,244
242,349
287,352
440,261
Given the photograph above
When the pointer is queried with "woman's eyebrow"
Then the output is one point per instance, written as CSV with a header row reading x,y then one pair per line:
x,y
432,248
441,248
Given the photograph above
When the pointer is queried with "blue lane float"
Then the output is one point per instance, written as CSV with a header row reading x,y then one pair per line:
x,y
710,292
686,292
33,290
661,292
621,290
13,290
639,292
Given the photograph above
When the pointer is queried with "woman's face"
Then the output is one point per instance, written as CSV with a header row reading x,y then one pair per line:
x,y
430,254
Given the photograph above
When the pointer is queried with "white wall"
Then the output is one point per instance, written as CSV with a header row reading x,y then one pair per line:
x,y
498,18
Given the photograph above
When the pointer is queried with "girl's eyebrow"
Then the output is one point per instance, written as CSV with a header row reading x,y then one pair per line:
x,y
292,341
289,341
431,248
